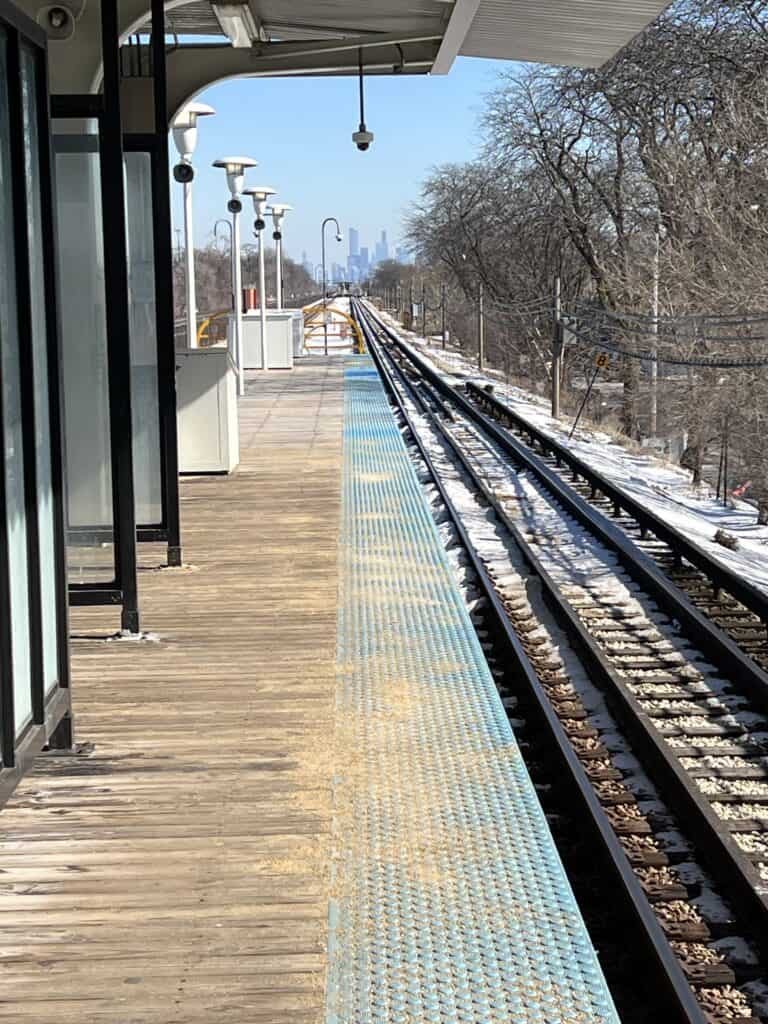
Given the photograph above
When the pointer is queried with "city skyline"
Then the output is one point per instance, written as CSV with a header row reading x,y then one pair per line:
x,y
361,260
418,121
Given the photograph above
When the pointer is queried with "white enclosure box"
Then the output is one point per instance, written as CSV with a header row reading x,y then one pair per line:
x,y
283,326
206,388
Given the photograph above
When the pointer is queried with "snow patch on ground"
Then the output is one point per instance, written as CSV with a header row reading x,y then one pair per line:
x,y
662,487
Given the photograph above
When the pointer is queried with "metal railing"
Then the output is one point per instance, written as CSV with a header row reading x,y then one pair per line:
x,y
210,329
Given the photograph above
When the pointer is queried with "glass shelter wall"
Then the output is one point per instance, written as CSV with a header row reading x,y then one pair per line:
x,y
34,670
46,521
147,468
87,435
15,520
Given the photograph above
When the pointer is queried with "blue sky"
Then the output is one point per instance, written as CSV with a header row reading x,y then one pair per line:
x,y
300,132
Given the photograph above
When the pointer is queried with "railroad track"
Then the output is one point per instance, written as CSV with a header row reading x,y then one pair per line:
x,y
735,605
701,744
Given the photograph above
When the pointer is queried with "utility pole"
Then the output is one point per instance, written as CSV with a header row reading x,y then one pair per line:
x,y
557,352
410,306
442,314
423,311
654,402
480,329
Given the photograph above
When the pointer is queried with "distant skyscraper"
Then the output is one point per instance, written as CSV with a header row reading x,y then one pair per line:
x,y
402,254
306,263
384,246
364,261
353,266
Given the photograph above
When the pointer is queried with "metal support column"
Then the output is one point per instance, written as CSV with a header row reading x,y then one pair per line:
x,y
117,312
237,293
163,253
278,240
189,253
480,329
262,301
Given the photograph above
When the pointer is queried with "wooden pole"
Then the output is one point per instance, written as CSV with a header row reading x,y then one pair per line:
x,y
442,313
557,352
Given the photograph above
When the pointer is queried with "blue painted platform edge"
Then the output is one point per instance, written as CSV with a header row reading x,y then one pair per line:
x,y
449,901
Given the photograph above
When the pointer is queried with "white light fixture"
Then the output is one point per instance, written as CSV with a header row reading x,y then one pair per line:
x,y
185,137
260,195
278,211
235,167
185,128
237,23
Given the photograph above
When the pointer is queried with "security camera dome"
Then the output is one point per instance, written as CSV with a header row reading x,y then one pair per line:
x,y
183,173
234,206
57,20
362,139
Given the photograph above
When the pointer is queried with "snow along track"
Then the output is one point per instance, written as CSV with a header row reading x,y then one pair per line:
x,y
696,729
736,605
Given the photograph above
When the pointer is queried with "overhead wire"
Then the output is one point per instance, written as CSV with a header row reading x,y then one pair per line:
x,y
714,361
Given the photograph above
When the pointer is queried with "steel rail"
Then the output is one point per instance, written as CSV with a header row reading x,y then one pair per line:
x,y
727,862
649,522
683,1006
727,654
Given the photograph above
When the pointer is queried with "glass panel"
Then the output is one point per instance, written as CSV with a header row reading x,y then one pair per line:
x,y
84,352
45,499
15,518
144,388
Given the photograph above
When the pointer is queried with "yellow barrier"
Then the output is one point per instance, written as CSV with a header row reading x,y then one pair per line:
x,y
311,323
203,337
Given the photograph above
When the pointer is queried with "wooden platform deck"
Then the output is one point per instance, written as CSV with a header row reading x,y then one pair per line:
x,y
178,872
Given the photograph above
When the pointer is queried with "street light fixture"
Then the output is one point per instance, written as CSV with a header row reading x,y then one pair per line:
x,y
235,167
185,137
278,211
260,195
328,220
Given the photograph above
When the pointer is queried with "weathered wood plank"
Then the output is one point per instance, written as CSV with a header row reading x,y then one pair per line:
x,y
179,871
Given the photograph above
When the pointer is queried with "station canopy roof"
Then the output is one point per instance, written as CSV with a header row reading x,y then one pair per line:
x,y
413,36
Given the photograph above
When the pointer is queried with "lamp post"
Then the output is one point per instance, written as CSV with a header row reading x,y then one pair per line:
x,y
228,225
260,194
278,211
235,169
185,138
327,220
